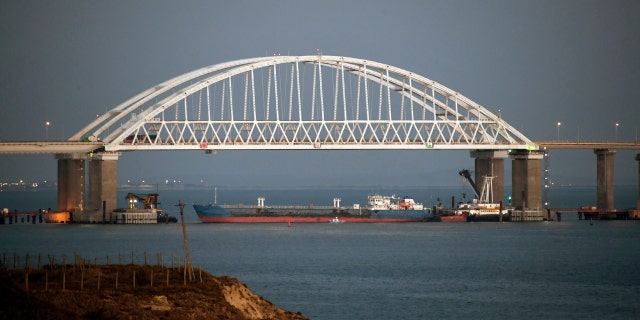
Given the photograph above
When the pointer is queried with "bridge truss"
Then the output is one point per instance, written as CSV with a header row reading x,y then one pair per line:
x,y
301,102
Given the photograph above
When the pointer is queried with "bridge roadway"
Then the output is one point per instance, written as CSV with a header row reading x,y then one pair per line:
x,y
44,147
67,147
588,144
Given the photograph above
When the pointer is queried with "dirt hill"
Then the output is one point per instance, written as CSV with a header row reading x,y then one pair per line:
x,y
129,292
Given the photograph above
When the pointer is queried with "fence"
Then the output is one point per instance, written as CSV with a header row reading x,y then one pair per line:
x,y
47,274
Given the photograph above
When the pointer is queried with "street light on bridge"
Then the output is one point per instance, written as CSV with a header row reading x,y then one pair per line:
x,y
617,125
559,124
46,130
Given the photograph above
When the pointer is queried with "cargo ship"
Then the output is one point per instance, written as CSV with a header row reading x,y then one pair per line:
x,y
379,209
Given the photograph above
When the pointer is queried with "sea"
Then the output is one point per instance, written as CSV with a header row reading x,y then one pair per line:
x,y
569,269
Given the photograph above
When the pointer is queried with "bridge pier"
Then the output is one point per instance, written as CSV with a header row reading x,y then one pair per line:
x,y
526,179
71,175
103,168
490,163
604,183
638,158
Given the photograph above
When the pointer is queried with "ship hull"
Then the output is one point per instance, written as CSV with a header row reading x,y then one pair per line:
x,y
218,214
454,218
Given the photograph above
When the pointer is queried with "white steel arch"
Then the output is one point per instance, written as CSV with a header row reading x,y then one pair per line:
x,y
301,102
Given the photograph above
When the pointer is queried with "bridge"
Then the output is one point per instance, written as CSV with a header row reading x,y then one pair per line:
x,y
296,103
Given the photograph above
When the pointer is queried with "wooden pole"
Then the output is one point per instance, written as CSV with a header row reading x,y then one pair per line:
x,y
187,263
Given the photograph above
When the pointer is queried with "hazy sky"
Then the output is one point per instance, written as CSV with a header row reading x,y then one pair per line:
x,y
539,61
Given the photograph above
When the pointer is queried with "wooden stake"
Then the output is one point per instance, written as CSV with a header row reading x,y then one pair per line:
x,y
187,262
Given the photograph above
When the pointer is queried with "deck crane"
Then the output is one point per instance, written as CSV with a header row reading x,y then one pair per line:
x,y
467,175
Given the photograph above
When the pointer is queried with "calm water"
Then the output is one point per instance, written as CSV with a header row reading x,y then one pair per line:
x,y
544,270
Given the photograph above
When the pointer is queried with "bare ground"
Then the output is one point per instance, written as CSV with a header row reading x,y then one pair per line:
x,y
129,292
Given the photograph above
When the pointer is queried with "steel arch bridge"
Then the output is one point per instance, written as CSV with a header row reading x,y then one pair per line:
x,y
301,102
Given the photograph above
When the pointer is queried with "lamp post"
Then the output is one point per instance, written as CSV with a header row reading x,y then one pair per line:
x,y
46,130
559,124
617,125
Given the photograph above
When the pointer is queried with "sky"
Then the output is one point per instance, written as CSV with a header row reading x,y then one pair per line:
x,y
540,62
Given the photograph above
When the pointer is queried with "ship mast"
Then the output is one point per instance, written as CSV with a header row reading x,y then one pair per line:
x,y
487,190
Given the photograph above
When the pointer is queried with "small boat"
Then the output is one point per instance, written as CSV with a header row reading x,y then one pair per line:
x,y
336,220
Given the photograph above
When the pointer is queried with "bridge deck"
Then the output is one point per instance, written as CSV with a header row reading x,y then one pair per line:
x,y
64,147
588,144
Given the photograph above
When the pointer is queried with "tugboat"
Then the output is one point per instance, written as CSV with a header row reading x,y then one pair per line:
x,y
149,213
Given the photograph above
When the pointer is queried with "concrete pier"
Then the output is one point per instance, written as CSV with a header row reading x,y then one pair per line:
x,y
103,168
638,204
490,163
526,179
604,183
71,175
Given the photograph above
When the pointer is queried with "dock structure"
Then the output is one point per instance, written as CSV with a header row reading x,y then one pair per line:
x,y
593,213
15,217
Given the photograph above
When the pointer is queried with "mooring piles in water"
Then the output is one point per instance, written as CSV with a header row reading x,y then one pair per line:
x,y
59,273
15,217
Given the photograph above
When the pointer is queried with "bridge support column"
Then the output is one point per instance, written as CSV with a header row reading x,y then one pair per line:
x,y
638,158
490,163
71,175
526,179
103,168
604,183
